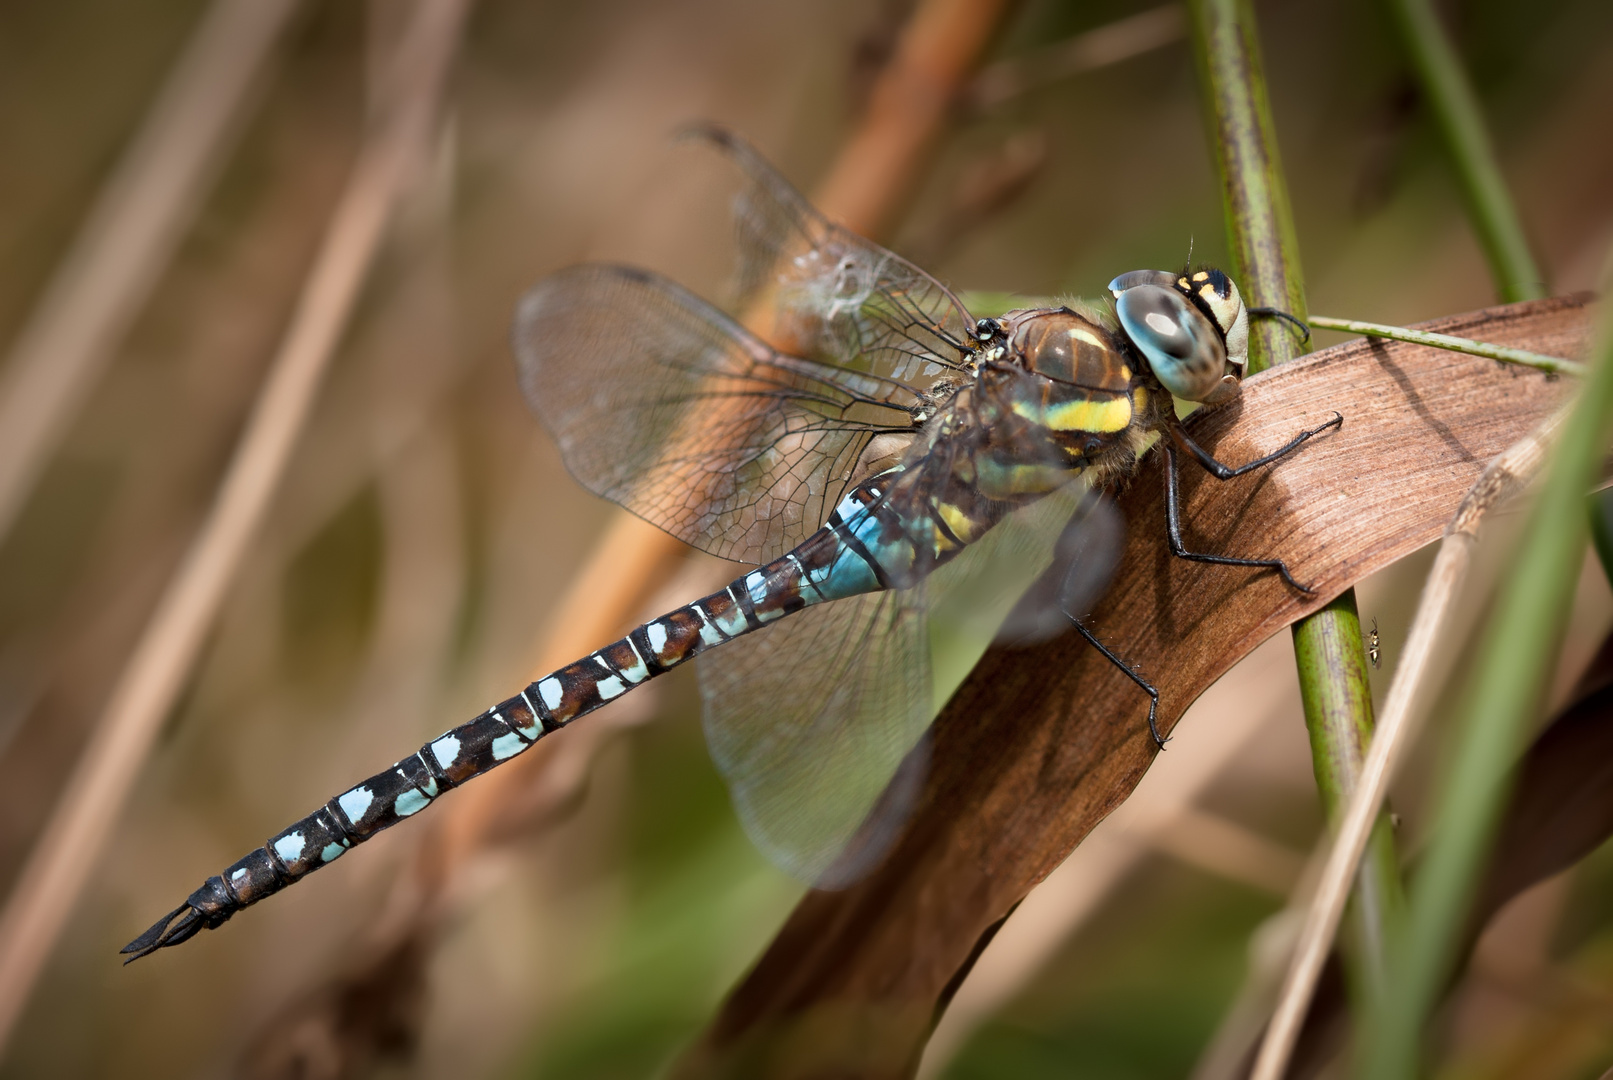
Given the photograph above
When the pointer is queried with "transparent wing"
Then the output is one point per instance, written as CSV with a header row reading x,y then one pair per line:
x,y
838,296
817,723
662,403
1085,554
1012,585
810,719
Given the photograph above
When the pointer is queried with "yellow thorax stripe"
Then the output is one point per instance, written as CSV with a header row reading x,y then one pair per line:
x,y
1096,416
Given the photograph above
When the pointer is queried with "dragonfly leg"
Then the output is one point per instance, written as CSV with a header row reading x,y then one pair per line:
x,y
1227,472
1173,518
1150,688
1279,313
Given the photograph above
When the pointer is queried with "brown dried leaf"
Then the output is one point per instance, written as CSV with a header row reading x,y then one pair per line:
x,y
1039,745
1562,807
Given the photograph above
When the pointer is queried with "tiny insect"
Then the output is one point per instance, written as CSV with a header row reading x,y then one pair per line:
x,y
1372,644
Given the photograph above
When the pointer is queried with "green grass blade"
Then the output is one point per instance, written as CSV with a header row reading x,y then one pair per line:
x,y
1455,112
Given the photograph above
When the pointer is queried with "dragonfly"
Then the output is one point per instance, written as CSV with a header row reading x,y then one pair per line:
x,y
870,457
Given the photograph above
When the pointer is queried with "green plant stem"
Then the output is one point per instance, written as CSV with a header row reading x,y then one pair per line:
x,y
1260,226
1456,115
1514,661
1265,263
1338,716
1553,364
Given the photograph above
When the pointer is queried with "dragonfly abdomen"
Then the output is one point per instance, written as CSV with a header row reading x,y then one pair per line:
x,y
831,564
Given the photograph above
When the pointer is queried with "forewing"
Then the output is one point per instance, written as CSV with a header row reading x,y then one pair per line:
x,y
662,403
838,296
811,720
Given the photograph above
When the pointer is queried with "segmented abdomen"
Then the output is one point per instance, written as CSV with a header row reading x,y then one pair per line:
x,y
862,549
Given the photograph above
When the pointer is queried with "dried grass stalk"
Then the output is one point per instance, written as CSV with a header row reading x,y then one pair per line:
x,y
144,692
119,254
872,177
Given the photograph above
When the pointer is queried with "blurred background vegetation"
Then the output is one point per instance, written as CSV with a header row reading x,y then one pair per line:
x,y
426,527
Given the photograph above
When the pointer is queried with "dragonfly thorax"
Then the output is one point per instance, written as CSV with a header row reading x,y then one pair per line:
x,y
1067,347
1067,394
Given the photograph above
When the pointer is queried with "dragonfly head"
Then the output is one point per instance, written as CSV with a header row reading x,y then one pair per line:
x,y
1193,330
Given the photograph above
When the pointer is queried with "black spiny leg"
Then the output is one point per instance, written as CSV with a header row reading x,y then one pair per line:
x,y
1173,529
1173,523
1279,313
1226,472
1173,515
1152,691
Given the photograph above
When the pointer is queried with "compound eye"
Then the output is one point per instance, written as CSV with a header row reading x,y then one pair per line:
x,y
1140,277
1182,347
